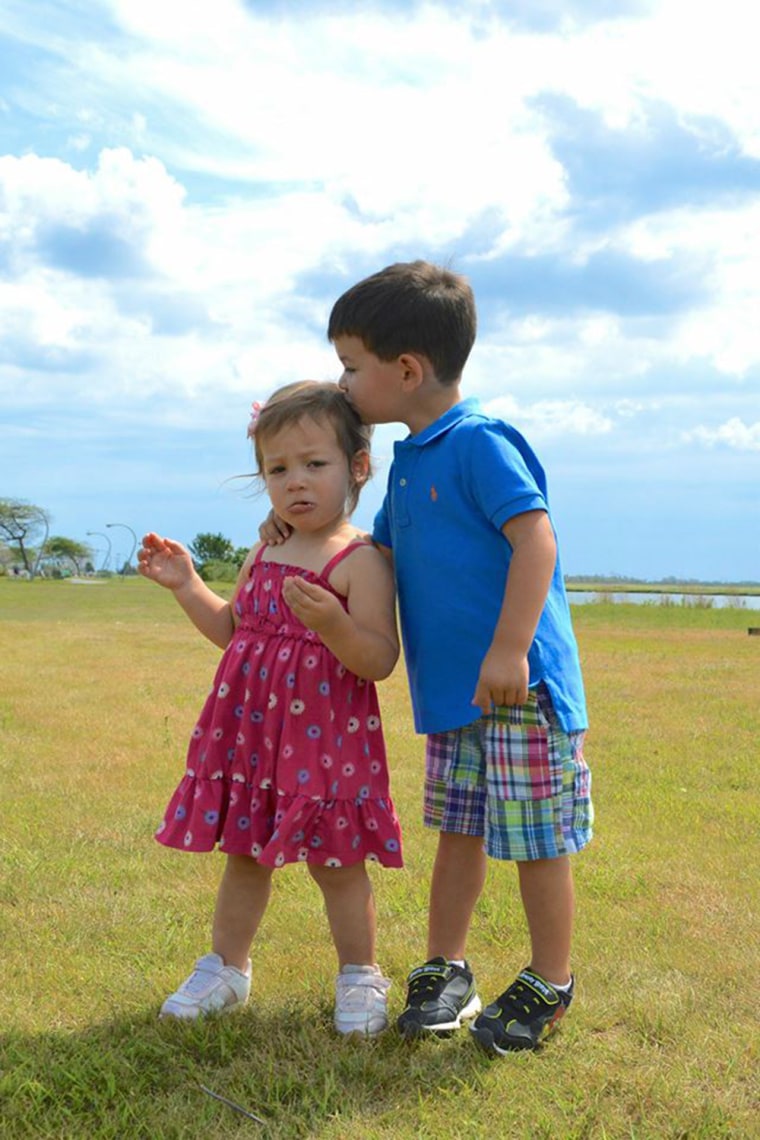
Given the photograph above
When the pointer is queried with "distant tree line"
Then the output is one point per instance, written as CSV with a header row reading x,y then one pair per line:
x,y
215,558
624,580
27,546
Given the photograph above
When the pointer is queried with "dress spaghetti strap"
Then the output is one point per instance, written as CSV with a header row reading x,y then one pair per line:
x,y
328,568
355,543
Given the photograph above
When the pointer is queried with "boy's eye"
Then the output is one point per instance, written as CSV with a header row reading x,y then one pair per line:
x,y
277,469
316,463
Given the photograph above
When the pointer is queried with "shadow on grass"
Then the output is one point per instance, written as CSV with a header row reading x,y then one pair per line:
x,y
138,1077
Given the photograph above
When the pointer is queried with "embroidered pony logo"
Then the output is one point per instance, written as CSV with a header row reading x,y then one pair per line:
x,y
433,494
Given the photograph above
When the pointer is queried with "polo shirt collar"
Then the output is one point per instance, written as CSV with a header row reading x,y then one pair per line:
x,y
448,420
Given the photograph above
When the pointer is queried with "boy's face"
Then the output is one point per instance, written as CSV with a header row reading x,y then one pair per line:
x,y
372,386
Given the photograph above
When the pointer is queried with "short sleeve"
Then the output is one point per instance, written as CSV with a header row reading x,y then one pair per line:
x,y
505,477
381,529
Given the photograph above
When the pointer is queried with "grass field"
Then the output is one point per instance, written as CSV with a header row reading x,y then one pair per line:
x,y
99,687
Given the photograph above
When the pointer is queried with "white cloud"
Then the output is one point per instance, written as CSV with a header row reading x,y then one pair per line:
x,y
725,244
734,434
550,418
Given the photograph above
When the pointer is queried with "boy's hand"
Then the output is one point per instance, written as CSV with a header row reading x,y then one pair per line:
x,y
503,680
316,607
165,561
274,530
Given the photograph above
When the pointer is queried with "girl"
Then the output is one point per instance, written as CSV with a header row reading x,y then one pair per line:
x,y
287,760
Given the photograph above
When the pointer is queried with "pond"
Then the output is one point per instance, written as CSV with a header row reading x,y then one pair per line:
x,y
737,601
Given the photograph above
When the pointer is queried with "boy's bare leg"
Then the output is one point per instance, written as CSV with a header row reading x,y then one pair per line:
x,y
546,886
459,873
350,907
240,904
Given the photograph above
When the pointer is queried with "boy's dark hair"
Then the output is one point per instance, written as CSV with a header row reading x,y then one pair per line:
x,y
411,307
318,400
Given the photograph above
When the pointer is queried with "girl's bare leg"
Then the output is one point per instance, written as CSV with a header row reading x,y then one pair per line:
x,y
350,907
240,904
459,873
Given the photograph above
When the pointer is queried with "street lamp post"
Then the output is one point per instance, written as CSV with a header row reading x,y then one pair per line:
x,y
99,534
134,545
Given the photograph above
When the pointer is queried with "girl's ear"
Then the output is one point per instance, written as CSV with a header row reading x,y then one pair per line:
x,y
360,467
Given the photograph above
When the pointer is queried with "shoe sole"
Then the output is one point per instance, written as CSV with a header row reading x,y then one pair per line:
x,y
472,1009
485,1039
192,1014
360,1031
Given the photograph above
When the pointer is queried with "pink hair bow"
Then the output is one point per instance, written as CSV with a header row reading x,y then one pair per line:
x,y
255,413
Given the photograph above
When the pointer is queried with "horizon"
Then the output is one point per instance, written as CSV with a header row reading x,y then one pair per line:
x,y
178,212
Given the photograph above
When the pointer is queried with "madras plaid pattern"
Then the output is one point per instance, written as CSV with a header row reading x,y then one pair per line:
x,y
516,778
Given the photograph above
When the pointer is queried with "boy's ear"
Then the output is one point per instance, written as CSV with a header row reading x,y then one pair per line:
x,y
360,467
412,370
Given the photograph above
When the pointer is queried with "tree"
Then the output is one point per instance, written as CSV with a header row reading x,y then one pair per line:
x,y
67,549
23,525
211,548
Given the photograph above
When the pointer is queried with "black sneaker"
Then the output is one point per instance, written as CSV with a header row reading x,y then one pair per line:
x,y
440,995
522,1016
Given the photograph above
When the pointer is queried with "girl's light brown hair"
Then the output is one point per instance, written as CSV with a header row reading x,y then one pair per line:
x,y
321,401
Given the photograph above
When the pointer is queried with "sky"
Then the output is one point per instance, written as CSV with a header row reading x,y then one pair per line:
x,y
186,187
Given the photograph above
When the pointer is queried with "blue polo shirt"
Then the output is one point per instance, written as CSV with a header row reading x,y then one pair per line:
x,y
450,490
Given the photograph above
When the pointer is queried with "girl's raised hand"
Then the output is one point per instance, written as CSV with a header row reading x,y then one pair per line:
x,y
165,561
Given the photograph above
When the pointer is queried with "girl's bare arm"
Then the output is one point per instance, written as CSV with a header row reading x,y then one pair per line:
x,y
168,563
365,638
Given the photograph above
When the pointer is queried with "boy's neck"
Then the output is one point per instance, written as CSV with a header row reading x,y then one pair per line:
x,y
428,403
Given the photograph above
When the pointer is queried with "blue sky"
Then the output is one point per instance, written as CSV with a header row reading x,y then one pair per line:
x,y
186,187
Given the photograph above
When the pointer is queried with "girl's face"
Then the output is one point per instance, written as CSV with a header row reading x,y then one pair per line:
x,y
307,474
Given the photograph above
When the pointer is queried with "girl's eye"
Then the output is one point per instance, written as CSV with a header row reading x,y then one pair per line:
x,y
316,463
275,470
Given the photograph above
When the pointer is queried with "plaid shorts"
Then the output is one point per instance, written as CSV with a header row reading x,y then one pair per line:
x,y
516,778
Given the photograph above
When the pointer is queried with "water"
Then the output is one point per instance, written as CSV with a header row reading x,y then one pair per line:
x,y
738,601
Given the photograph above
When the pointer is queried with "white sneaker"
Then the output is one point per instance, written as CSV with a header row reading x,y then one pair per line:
x,y
211,988
361,1002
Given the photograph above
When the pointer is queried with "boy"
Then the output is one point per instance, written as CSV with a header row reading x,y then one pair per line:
x,y
493,664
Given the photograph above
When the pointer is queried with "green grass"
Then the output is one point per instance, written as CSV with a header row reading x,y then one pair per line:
x,y
99,685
